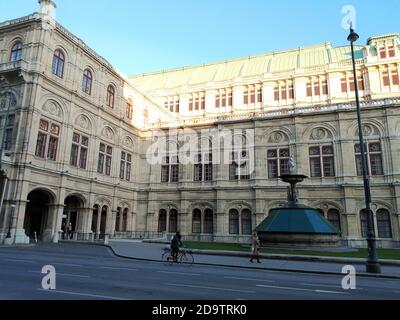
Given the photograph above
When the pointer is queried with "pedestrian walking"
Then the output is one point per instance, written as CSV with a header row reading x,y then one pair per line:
x,y
69,231
255,248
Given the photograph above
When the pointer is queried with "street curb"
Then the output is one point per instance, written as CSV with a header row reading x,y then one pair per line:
x,y
362,274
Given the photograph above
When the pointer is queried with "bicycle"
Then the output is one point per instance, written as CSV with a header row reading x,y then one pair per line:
x,y
184,257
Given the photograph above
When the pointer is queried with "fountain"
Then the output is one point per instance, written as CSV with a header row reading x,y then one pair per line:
x,y
295,224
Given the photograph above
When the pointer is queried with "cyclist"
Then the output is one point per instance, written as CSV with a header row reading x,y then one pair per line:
x,y
175,244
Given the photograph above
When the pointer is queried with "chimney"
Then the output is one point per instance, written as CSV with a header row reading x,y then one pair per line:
x,y
48,9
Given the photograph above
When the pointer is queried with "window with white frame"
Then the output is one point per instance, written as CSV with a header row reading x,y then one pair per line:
x,y
47,141
374,161
322,161
105,159
278,162
125,166
79,150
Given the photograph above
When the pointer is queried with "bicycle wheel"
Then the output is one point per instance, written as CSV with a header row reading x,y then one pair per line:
x,y
167,258
186,259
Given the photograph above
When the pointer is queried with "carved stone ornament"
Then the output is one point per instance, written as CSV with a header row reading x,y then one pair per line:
x,y
108,133
83,122
320,134
7,100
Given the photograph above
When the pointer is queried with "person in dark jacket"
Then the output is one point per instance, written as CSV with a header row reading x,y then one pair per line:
x,y
176,243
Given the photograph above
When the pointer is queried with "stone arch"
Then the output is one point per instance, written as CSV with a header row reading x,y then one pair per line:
x,y
128,142
372,128
319,132
278,136
326,205
101,201
239,205
64,50
40,214
78,195
5,100
11,41
44,189
84,123
273,204
108,133
203,205
53,107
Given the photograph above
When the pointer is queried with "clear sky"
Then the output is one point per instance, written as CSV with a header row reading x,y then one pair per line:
x,y
151,35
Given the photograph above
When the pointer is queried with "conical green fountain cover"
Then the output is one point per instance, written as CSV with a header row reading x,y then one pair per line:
x,y
296,218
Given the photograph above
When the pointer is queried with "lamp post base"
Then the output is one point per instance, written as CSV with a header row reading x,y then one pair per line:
x,y
373,267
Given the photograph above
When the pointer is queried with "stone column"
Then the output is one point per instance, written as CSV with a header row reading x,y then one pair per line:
x,y
57,212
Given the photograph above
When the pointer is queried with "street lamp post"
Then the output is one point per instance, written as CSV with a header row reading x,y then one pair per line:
x,y
373,265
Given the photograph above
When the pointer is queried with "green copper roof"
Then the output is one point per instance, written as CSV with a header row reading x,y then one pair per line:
x,y
253,66
298,219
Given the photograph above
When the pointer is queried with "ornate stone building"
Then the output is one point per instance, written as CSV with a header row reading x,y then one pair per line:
x,y
78,139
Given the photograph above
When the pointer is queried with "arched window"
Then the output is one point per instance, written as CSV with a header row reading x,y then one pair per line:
x,y
233,221
87,81
16,51
162,221
246,221
125,220
110,96
334,218
383,224
208,221
129,109
173,221
58,63
196,223
364,223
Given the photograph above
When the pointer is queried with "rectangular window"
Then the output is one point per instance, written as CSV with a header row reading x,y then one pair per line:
x,y
278,162
259,95
309,89
328,161
283,92
253,96
165,173
291,91
203,103
373,153
385,78
315,162
325,87
8,134
191,104
343,82
105,159
48,132
125,166
382,52
395,77
317,89
198,172
246,97
79,151
230,99
217,99
276,93
391,51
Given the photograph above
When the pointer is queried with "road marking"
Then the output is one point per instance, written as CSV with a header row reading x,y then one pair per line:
x,y
250,279
68,264
83,294
181,273
63,274
326,291
18,260
324,285
208,288
119,268
284,288
300,289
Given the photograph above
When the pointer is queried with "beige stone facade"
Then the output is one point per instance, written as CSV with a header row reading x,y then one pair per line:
x,y
292,103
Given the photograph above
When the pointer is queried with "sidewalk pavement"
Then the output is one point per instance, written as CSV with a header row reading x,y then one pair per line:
x,y
306,264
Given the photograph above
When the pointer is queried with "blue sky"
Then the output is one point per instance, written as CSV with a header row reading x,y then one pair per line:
x,y
144,36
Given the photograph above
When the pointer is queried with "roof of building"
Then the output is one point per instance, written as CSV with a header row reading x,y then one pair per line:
x,y
253,66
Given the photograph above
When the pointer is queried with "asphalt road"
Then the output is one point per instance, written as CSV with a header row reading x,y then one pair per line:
x,y
86,272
